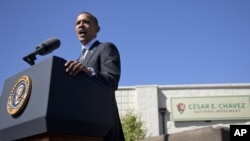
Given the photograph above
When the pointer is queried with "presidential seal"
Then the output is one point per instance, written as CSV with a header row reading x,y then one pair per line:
x,y
19,95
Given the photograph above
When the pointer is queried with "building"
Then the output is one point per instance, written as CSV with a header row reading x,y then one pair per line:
x,y
167,109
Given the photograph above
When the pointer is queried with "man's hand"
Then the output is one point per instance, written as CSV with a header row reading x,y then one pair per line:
x,y
74,67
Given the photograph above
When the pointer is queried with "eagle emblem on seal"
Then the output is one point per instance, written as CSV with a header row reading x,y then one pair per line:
x,y
19,95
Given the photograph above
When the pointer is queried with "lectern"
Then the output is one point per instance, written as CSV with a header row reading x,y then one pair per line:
x,y
44,103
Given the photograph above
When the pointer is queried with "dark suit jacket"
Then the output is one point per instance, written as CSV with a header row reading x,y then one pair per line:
x,y
105,59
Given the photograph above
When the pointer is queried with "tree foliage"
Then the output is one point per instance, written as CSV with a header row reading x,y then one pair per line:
x,y
133,126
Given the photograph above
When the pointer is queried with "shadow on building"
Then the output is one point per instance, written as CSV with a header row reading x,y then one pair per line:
x,y
202,134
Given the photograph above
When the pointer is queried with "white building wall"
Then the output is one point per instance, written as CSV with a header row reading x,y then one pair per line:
x,y
147,100
147,107
126,100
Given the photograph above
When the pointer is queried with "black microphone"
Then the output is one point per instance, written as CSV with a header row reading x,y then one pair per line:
x,y
44,48
47,46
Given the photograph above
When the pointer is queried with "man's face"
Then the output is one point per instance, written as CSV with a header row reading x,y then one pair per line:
x,y
86,28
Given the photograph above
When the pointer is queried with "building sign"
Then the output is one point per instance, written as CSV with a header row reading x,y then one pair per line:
x,y
210,108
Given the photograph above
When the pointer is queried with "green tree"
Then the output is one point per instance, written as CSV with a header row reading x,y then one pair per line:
x,y
133,126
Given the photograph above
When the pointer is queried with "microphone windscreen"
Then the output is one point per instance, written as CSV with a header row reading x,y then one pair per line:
x,y
48,46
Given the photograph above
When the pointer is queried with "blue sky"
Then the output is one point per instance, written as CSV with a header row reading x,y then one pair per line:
x,y
163,42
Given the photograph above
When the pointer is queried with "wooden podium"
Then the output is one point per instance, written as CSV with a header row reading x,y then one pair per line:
x,y
54,106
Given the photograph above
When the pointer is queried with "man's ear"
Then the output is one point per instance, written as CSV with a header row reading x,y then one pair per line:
x,y
98,29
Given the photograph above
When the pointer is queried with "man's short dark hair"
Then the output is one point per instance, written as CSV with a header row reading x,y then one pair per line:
x,y
91,16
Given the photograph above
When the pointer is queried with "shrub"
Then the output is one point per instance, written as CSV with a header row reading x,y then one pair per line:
x,y
133,126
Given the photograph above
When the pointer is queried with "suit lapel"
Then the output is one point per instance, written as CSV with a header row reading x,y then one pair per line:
x,y
90,52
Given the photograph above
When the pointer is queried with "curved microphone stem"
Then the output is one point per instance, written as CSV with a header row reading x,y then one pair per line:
x,y
30,58
44,48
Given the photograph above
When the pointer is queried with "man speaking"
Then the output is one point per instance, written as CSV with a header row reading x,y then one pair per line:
x,y
99,60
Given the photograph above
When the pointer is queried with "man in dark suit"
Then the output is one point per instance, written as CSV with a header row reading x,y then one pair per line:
x,y
99,60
